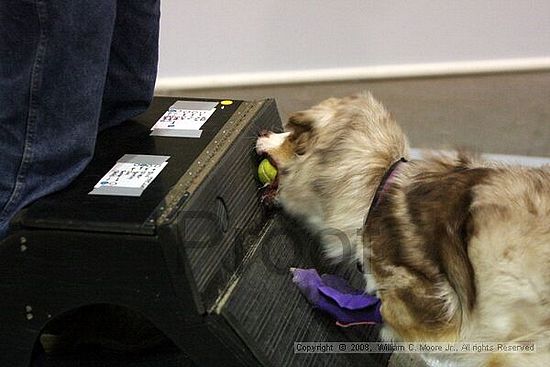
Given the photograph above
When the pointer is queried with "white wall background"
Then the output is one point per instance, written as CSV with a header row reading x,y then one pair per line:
x,y
209,43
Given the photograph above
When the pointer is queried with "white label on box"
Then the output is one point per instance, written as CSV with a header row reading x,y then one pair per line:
x,y
131,175
175,119
184,119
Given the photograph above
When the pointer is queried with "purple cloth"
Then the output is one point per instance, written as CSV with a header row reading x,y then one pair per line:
x,y
333,295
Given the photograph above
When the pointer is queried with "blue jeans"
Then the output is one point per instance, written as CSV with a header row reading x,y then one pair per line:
x,y
68,68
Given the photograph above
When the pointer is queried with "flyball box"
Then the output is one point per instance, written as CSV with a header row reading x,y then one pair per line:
x,y
195,252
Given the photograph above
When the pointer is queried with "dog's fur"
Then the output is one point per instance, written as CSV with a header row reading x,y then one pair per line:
x,y
458,249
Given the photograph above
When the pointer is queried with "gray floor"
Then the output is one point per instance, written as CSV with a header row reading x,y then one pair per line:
x,y
500,113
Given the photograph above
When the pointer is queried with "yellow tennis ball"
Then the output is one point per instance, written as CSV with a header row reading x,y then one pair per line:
x,y
266,172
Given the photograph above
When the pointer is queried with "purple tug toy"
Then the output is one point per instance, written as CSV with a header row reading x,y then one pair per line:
x,y
333,295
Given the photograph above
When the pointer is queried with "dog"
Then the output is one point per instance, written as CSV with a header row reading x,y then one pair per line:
x,y
457,249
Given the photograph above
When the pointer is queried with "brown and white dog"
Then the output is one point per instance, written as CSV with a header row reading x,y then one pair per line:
x,y
457,249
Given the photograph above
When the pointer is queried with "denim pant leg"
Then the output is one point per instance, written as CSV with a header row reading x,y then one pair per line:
x,y
53,66
133,61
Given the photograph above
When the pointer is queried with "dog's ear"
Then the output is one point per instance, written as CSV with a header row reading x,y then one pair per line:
x,y
300,125
299,122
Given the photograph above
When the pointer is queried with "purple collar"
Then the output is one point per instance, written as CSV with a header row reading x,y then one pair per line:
x,y
384,185
382,188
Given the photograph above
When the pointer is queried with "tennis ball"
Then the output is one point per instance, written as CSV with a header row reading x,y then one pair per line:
x,y
266,172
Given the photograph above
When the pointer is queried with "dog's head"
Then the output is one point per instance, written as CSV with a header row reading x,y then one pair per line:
x,y
330,159
334,123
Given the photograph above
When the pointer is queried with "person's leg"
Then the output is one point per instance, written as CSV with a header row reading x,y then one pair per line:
x,y
133,61
54,58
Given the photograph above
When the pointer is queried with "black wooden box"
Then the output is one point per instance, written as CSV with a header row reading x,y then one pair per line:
x,y
196,254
